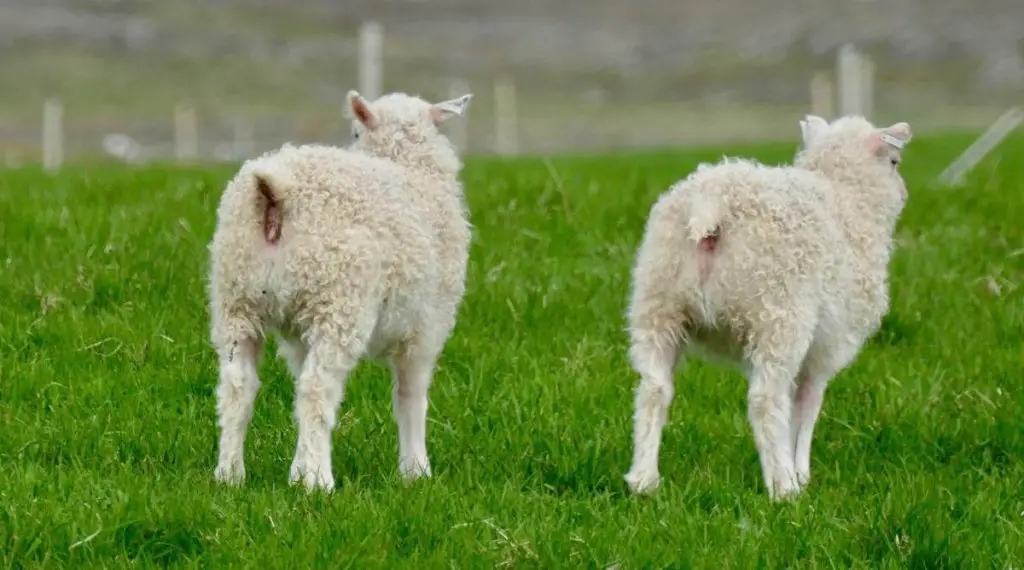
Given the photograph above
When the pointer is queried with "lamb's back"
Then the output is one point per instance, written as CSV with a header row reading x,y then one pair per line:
x,y
338,190
776,237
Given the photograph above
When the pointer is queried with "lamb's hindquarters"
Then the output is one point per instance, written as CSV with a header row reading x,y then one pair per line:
x,y
778,323
340,284
777,352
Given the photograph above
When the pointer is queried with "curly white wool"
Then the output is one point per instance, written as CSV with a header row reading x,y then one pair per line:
x,y
781,271
344,253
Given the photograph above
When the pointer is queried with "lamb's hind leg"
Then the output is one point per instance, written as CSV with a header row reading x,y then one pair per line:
x,y
318,393
236,395
653,354
337,340
775,363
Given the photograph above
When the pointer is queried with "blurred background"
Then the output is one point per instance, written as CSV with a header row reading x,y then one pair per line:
x,y
229,78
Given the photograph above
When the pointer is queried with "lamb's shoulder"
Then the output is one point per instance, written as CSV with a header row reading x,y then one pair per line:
x,y
339,168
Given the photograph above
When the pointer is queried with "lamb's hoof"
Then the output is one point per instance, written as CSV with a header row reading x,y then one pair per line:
x,y
783,489
643,483
229,474
803,478
414,470
312,477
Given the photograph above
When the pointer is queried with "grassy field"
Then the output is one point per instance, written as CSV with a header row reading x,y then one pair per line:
x,y
107,422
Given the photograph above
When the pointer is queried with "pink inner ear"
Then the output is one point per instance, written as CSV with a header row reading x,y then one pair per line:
x,y
362,112
438,115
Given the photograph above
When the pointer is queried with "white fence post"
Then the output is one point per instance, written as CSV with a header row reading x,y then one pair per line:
x,y
1004,125
867,86
186,136
505,121
849,73
823,96
53,134
371,60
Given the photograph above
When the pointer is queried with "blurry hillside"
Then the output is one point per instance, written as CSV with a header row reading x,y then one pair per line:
x,y
589,72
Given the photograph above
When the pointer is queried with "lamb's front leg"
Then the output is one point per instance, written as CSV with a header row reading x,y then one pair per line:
x,y
412,369
817,371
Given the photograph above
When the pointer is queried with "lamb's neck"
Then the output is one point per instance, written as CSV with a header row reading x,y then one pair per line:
x,y
868,231
439,162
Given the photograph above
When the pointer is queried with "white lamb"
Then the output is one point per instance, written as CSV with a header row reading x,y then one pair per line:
x,y
780,271
344,253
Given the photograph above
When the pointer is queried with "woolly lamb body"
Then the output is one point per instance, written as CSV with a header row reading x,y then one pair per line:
x,y
780,271
345,254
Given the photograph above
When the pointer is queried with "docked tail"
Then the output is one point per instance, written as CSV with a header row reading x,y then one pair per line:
x,y
272,185
705,220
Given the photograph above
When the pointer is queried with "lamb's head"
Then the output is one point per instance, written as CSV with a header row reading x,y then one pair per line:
x,y
859,157
404,128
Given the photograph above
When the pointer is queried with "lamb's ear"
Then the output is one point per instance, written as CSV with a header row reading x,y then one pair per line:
x,y
894,136
361,110
441,112
812,127
899,131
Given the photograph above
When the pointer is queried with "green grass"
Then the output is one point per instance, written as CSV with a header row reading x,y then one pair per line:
x,y
108,432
